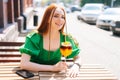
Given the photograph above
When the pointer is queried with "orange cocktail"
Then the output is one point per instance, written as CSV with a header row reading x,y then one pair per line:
x,y
66,48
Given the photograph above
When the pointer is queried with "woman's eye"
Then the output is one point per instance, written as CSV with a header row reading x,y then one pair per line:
x,y
63,17
56,16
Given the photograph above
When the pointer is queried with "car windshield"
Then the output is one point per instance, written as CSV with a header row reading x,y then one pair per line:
x,y
91,8
111,12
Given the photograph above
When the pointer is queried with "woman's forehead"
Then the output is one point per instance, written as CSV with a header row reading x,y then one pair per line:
x,y
59,11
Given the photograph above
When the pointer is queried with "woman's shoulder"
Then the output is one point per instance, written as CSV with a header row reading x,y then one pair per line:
x,y
33,34
34,37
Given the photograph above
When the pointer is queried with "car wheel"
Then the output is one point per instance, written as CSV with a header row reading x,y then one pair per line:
x,y
115,33
78,17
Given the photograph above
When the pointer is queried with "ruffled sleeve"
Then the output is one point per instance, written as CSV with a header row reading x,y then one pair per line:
x,y
31,45
75,46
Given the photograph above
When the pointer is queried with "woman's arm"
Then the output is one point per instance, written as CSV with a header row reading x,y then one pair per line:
x,y
27,65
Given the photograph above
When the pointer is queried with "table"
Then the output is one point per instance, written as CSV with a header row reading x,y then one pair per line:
x,y
87,72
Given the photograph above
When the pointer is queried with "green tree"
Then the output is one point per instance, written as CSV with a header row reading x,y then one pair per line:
x,y
106,2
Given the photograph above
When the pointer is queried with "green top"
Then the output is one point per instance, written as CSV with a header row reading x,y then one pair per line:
x,y
33,46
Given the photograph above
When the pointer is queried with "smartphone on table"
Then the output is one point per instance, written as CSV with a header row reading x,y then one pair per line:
x,y
24,73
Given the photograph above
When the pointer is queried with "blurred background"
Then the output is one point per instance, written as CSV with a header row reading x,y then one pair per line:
x,y
94,23
16,14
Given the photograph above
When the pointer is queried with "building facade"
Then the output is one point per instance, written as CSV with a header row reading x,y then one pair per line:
x,y
14,17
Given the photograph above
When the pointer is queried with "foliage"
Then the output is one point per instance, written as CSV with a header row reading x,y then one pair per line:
x,y
82,2
106,2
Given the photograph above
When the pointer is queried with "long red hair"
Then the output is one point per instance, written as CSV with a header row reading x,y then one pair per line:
x,y
47,18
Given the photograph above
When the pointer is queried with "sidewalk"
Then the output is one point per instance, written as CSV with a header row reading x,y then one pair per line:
x,y
30,25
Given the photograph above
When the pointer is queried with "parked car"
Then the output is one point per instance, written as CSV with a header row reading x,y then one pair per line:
x,y
116,28
115,22
67,10
108,18
75,8
91,11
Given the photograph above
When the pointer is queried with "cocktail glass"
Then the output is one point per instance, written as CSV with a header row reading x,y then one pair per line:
x,y
66,49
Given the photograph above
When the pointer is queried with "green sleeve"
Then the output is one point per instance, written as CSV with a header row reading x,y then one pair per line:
x,y
31,45
75,47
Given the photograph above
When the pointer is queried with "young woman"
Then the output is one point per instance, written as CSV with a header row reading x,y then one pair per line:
x,y
41,50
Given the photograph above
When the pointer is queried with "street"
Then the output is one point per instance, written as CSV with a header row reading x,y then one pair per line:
x,y
97,46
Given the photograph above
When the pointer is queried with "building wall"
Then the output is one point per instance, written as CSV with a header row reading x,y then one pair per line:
x,y
11,18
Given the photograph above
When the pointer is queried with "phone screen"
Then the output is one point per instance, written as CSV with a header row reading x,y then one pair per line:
x,y
24,73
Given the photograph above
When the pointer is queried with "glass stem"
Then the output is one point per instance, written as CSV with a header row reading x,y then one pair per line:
x,y
65,59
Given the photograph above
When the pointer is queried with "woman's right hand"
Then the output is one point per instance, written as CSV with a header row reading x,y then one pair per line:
x,y
60,66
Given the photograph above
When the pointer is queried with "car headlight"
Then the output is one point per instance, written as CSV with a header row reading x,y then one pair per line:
x,y
112,23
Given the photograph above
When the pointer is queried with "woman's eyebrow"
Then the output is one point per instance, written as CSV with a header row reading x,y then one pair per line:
x,y
58,14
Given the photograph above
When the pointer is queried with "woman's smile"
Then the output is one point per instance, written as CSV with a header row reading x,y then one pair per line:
x,y
59,24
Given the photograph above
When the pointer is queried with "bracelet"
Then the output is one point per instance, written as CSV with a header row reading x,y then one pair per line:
x,y
78,65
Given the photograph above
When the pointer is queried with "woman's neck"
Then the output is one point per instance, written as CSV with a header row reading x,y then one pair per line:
x,y
53,34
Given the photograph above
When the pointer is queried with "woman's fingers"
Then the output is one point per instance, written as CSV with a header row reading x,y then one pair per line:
x,y
73,71
61,66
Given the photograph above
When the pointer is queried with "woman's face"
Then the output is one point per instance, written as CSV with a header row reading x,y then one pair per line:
x,y
58,19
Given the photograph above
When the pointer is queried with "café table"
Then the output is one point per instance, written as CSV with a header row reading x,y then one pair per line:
x,y
86,72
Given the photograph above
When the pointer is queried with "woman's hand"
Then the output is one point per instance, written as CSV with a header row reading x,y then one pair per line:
x,y
60,66
73,71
